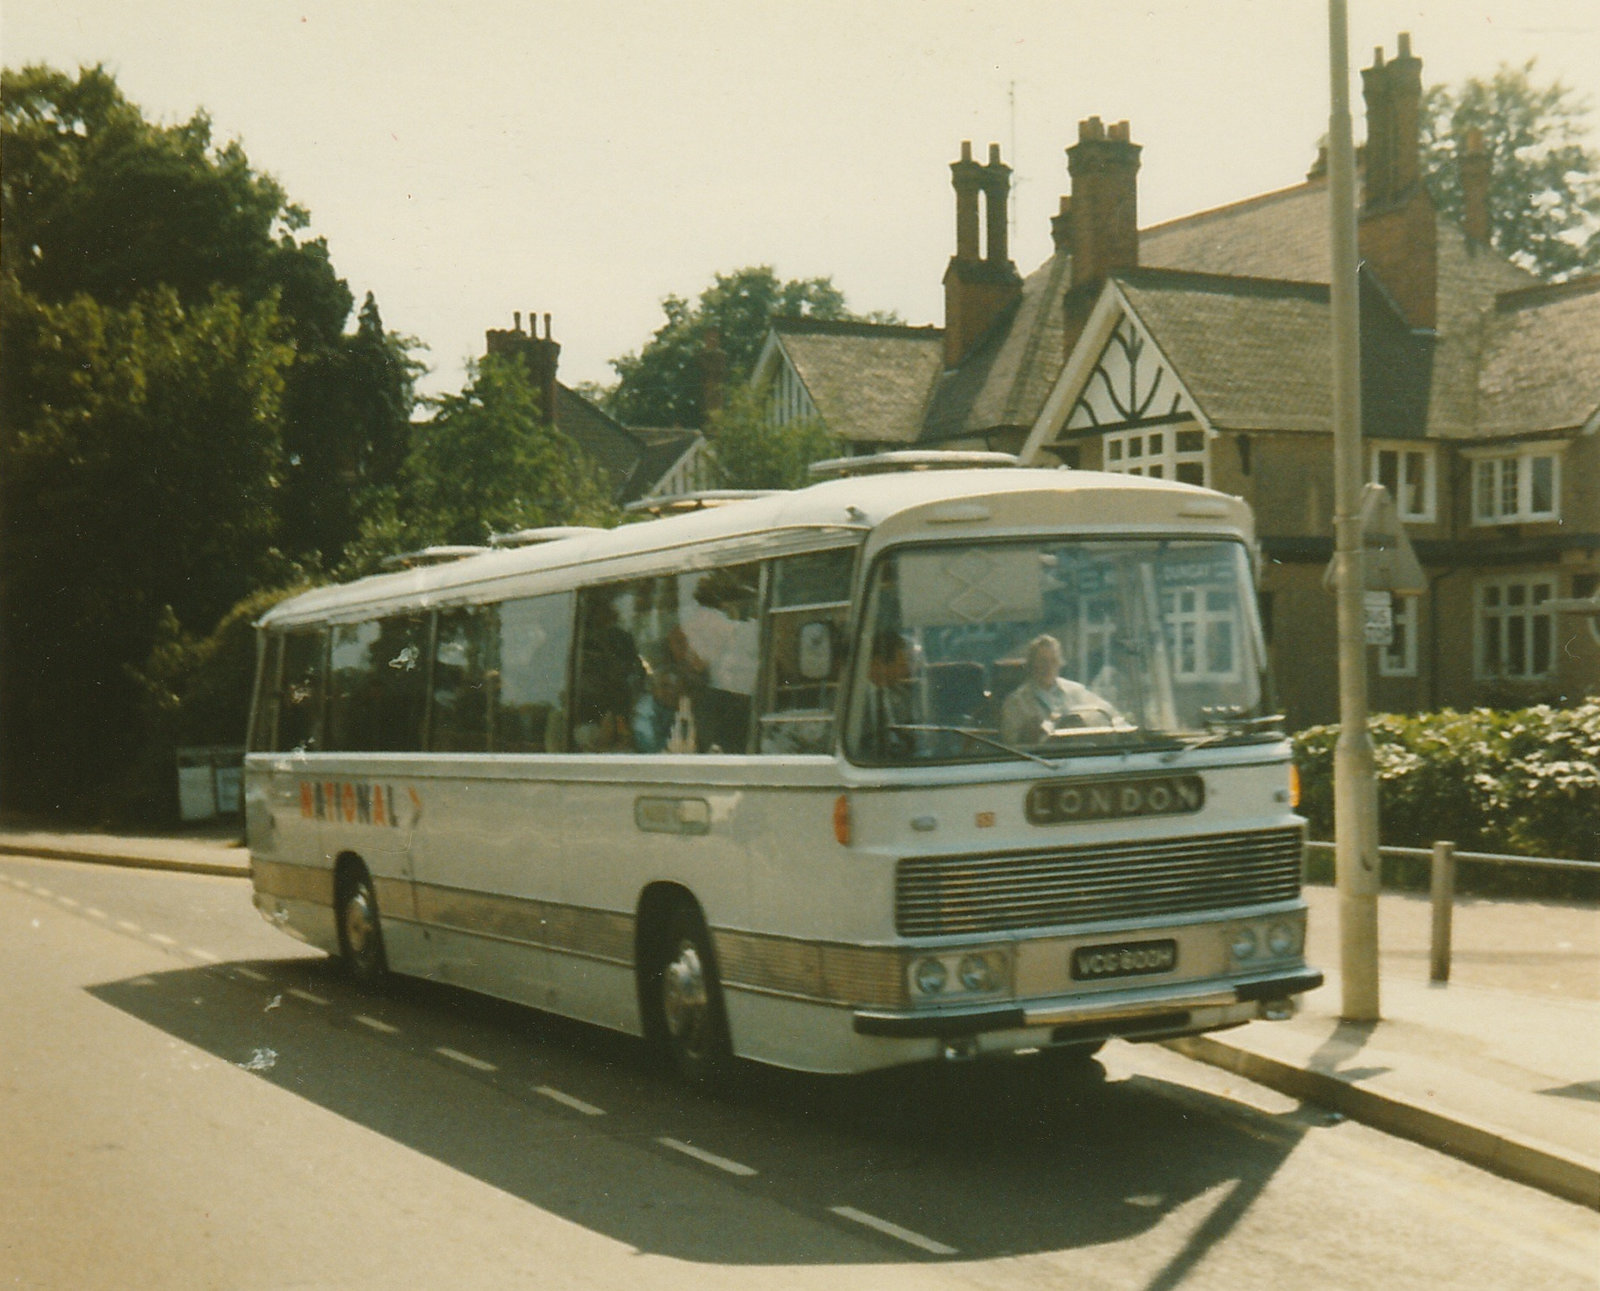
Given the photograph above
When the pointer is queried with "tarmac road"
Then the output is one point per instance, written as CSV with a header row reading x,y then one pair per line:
x,y
190,1099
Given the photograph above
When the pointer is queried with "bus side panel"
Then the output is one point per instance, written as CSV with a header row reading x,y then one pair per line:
x,y
813,1037
291,875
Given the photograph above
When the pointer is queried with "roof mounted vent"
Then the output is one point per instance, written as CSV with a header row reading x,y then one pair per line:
x,y
533,537
682,503
838,468
429,556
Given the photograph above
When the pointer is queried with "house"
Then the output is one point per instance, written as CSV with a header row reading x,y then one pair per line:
x,y
637,461
1200,350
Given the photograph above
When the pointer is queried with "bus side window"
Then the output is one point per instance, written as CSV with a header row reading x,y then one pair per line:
x,y
377,678
264,713
534,643
807,629
300,691
463,681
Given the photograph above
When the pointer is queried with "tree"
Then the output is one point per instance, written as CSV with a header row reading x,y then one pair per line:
x,y
1544,181
718,339
488,461
744,451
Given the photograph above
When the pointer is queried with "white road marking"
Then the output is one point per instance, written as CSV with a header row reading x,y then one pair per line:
x,y
376,1024
466,1059
201,953
161,938
95,913
710,1158
250,973
307,996
893,1230
127,925
567,1100
67,901
44,892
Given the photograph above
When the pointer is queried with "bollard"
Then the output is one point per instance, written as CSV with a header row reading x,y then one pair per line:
x,y
1444,896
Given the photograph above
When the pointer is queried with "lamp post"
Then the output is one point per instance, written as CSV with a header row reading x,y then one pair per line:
x,y
1355,794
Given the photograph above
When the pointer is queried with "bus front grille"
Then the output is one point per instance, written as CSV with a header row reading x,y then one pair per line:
x,y
943,895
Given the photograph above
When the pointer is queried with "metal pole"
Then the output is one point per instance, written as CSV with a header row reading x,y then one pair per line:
x,y
1444,897
1354,772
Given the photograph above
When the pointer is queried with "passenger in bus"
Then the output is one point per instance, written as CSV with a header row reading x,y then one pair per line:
x,y
888,697
663,719
610,674
1047,702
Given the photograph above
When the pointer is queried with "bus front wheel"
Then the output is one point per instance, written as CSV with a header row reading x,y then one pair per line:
x,y
691,1022
360,933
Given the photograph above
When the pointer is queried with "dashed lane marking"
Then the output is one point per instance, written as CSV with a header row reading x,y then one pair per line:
x,y
94,912
567,1100
893,1230
161,939
709,1158
200,952
127,925
69,902
377,1024
307,996
249,973
465,1059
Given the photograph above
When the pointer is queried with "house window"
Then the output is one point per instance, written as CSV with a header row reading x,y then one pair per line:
x,y
1200,633
1408,473
1171,453
1512,487
1399,657
1515,630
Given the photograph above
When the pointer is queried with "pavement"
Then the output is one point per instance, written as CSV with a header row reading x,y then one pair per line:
x,y
1500,1067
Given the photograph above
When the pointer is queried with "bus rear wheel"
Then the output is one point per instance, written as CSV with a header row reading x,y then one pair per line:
x,y
360,933
691,1023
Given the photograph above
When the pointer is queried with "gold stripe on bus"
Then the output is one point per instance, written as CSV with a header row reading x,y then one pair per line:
x,y
812,970
312,883
598,934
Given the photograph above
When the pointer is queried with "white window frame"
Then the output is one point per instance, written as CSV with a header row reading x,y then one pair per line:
x,y
1500,605
1501,484
1408,455
1399,659
1157,446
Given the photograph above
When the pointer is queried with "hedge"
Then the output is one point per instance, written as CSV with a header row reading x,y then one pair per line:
x,y
1524,782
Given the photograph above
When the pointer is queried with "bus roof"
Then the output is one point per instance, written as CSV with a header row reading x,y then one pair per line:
x,y
853,505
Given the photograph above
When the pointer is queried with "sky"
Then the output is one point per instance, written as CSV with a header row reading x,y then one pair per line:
x,y
585,158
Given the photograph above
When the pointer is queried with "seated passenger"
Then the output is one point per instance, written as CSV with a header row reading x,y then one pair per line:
x,y
662,720
1047,702
887,698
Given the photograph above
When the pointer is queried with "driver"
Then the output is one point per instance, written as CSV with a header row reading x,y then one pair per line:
x,y
1047,702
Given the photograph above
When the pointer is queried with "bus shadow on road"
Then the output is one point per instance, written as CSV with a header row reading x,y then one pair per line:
x,y
993,1159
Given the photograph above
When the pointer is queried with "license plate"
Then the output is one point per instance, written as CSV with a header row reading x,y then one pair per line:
x,y
1124,959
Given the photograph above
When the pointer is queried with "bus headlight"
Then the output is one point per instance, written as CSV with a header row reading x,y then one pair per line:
x,y
977,973
1282,939
930,976
1243,945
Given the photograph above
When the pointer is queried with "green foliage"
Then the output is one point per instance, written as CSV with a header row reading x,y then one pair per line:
x,y
179,408
1544,181
486,462
138,463
744,452
1521,782
719,337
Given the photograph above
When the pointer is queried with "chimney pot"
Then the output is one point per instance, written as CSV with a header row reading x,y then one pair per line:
x,y
1404,43
966,150
1119,132
1377,55
516,320
994,154
547,327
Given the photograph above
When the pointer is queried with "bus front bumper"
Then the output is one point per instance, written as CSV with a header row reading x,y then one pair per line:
x,y
1162,1009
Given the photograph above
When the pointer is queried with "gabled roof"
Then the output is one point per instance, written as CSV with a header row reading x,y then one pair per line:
x,y
633,459
869,381
1541,361
1010,372
1282,235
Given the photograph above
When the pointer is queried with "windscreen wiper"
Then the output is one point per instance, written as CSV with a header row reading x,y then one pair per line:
x,y
977,737
1229,729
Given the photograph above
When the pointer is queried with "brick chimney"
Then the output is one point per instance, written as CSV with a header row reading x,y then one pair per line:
x,y
1397,232
540,355
977,290
1104,166
1475,188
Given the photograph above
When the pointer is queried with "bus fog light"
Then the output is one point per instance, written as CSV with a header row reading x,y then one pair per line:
x,y
1282,939
1243,945
977,973
930,976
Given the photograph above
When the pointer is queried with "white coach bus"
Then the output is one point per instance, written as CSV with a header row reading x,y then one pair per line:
x,y
901,765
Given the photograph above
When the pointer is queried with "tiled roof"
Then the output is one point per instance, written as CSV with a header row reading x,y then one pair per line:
x,y
869,381
1541,360
633,460
1281,235
1009,374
